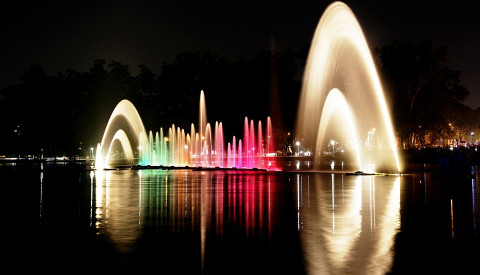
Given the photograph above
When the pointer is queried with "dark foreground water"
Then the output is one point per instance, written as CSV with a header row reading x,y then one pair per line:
x,y
69,219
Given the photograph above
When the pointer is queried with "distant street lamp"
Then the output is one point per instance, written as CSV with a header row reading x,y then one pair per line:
x,y
298,147
91,153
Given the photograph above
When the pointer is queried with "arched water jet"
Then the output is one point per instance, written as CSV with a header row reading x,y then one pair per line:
x,y
121,137
125,116
339,58
335,104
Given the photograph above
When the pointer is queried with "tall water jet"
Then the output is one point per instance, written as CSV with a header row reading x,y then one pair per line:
x,y
260,150
269,147
240,157
269,142
192,146
246,143
339,58
234,152
202,116
208,146
251,144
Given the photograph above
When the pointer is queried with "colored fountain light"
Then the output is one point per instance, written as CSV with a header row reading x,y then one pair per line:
x,y
342,97
178,148
342,113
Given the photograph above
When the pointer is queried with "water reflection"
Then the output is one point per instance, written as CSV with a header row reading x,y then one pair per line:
x,y
475,182
117,207
128,203
41,192
349,225
332,223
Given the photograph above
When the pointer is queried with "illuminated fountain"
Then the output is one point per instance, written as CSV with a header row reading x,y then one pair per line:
x,y
125,127
176,147
342,100
342,104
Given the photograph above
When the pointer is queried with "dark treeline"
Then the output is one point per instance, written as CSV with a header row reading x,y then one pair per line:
x,y
426,96
66,114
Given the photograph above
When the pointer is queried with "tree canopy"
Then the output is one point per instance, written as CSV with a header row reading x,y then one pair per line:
x,y
66,114
425,93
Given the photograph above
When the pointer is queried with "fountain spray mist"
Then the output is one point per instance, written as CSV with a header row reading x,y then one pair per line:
x,y
340,59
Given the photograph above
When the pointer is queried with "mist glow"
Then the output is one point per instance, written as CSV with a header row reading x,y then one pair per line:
x,y
339,58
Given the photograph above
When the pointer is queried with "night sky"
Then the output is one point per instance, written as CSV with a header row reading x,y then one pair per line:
x,y
71,34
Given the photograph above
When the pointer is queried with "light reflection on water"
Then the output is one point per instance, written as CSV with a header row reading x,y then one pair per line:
x,y
117,207
332,223
180,201
348,226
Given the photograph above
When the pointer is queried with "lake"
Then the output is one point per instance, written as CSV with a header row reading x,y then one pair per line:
x,y
68,218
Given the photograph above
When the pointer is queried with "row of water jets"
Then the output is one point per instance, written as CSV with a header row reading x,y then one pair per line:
x,y
341,99
208,150
204,147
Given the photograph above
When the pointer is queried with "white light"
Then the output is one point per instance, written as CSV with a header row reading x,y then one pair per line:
x,y
332,142
297,143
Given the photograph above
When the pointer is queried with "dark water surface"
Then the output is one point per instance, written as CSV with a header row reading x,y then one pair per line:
x,y
69,219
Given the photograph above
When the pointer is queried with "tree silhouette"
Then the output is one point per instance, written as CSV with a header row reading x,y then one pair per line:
x,y
66,114
422,88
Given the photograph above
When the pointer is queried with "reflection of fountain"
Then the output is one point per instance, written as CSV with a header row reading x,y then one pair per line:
x,y
205,148
117,207
339,59
129,202
350,224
